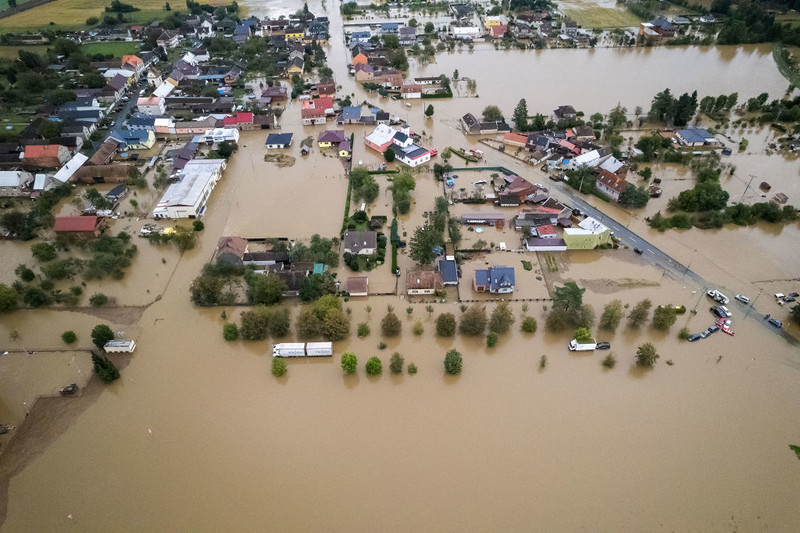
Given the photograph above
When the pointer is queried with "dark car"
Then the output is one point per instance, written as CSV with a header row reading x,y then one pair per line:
x,y
603,346
713,329
775,322
788,299
694,337
705,334
717,311
794,295
638,251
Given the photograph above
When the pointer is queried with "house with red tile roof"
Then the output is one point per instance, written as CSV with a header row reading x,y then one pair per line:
x,y
89,226
312,116
611,185
45,155
240,121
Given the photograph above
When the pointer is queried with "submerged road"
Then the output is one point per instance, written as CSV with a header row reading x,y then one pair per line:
x,y
662,260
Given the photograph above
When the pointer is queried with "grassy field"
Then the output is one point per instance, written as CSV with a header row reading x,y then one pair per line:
x,y
603,17
10,52
71,14
117,49
4,4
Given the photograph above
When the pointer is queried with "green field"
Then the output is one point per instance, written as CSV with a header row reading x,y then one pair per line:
x,y
4,4
72,14
10,52
603,17
117,49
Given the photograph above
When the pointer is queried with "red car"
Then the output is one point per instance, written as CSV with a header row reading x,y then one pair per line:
x,y
434,153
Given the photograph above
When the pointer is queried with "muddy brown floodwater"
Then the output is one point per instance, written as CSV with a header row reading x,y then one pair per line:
x,y
197,435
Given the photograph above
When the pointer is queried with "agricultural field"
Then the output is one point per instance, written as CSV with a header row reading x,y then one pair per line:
x,y
117,49
598,14
10,52
71,14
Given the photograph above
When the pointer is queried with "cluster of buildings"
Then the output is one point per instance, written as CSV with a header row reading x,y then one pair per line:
x,y
401,142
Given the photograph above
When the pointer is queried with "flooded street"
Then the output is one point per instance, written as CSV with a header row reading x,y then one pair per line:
x,y
197,435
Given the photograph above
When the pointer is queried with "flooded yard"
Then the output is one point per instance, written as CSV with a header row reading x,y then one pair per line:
x,y
197,435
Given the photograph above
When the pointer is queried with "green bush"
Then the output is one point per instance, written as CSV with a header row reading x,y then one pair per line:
x,y
453,362
363,330
230,332
98,300
610,361
683,334
374,366
529,324
279,367
412,369
198,225
101,334
446,325
418,328
349,362
104,368
491,340
396,363
69,337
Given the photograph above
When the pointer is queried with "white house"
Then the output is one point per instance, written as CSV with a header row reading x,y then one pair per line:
x,y
15,183
218,135
188,197
466,32
152,105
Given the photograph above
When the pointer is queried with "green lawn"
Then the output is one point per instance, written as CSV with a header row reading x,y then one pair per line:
x,y
10,52
4,4
117,49
603,17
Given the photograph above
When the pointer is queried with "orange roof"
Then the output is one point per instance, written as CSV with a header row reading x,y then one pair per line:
x,y
41,150
323,103
132,60
312,113
515,137
86,224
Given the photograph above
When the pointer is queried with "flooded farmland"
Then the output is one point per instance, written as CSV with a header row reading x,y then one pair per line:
x,y
197,435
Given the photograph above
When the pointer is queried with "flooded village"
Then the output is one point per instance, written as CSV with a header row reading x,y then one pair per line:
x,y
426,265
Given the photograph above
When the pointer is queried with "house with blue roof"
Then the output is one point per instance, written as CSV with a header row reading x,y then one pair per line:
x,y
279,140
494,280
359,37
350,115
695,137
138,139
390,27
448,270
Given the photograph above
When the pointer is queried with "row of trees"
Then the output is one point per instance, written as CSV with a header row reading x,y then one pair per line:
x,y
374,365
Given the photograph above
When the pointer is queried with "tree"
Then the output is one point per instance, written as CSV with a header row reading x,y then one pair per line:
x,y
349,362
69,337
317,285
326,304
374,366
612,315
279,367
197,225
492,113
98,300
101,334
336,325
453,362
255,324
25,274
423,241
502,318
491,339
308,323
617,117
454,232
167,7
12,3
569,297
446,325
529,324
664,317
429,27
634,197
440,214
230,332
389,156
396,363
796,313
265,289
473,322
520,117
36,297
206,290
397,59
8,298
43,251
639,313
583,335
429,110
610,361
280,323
104,368
391,325
646,355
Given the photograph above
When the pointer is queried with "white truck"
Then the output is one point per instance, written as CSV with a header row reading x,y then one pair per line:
x,y
319,349
718,297
289,349
575,346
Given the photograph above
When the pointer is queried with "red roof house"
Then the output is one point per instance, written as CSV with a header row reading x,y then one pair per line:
x,y
83,226
45,155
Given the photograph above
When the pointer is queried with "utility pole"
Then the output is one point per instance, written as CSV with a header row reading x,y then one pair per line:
x,y
752,177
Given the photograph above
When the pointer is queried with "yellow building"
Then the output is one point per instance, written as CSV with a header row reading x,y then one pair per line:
x,y
295,35
140,139
588,235
492,21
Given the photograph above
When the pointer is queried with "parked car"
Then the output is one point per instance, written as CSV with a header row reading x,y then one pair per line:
x,y
638,251
603,346
775,322
694,337
725,310
789,299
705,334
713,329
742,298
717,311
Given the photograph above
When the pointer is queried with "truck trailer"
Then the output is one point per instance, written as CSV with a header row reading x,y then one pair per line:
x,y
319,349
289,349
575,346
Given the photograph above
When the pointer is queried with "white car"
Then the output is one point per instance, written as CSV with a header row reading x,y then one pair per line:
x,y
725,310
742,298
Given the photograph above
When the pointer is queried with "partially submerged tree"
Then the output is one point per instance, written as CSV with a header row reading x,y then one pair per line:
x,y
453,362
646,355
446,325
502,318
473,321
